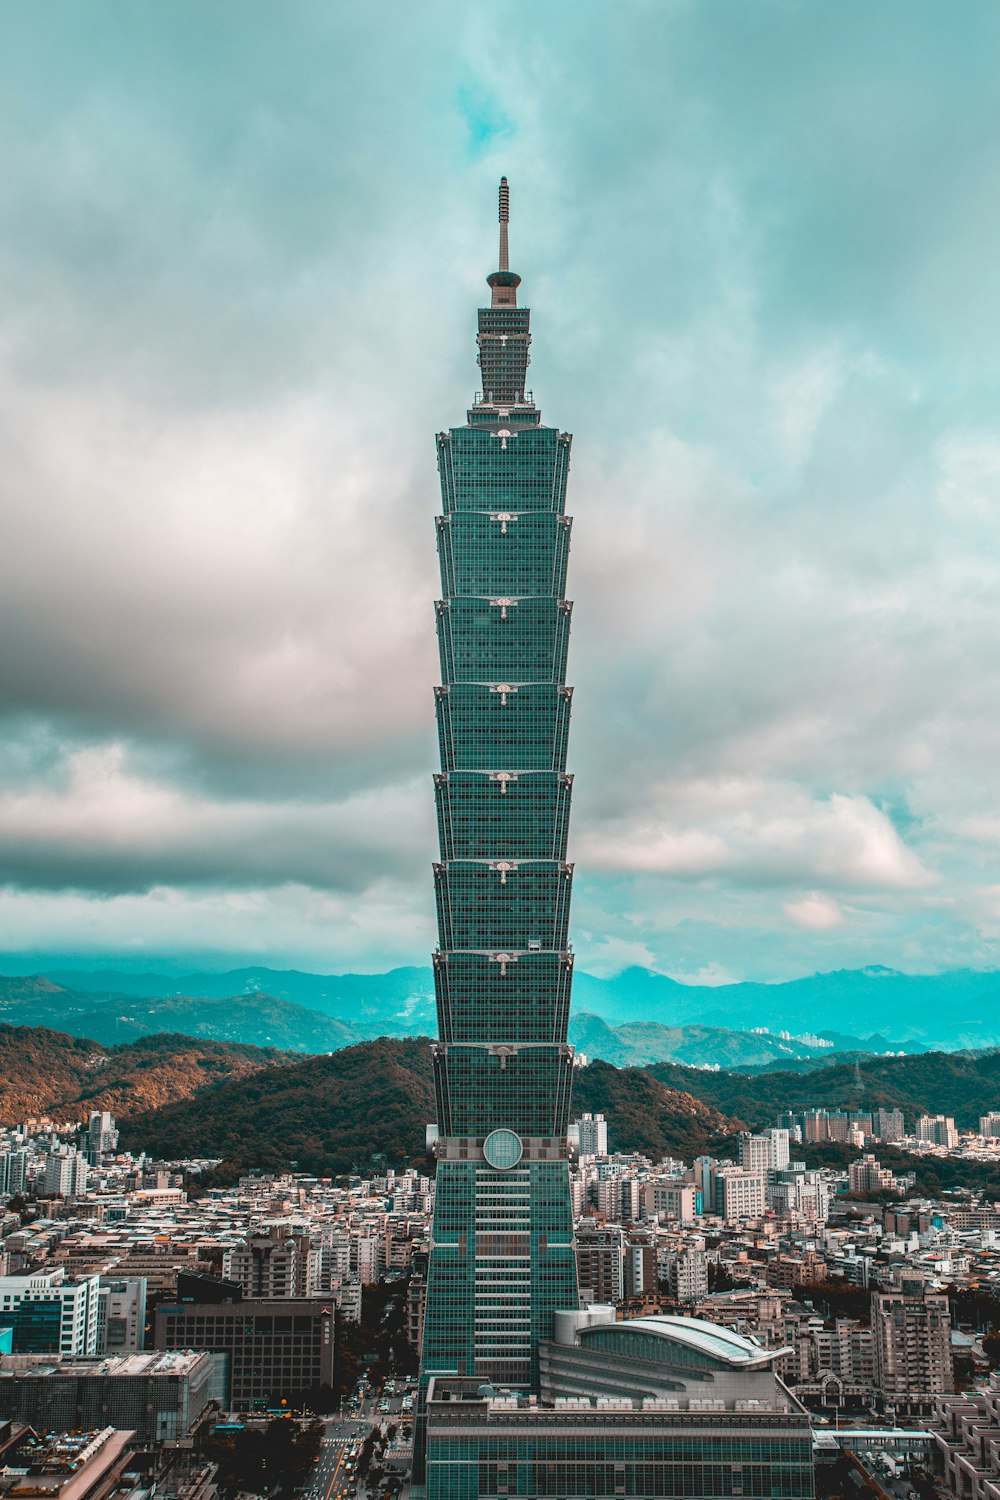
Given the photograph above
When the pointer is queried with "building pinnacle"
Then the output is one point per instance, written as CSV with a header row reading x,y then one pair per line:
x,y
503,282
504,221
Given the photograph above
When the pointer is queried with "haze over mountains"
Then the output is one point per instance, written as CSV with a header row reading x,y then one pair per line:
x,y
637,1017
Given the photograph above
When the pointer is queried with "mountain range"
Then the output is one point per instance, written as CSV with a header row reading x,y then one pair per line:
x,y
638,1017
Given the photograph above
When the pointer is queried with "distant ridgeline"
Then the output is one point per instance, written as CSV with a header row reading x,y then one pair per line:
x,y
635,1018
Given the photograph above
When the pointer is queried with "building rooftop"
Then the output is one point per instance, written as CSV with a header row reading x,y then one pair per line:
x,y
155,1362
719,1343
66,1466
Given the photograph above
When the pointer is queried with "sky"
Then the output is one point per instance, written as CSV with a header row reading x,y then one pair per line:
x,y
241,250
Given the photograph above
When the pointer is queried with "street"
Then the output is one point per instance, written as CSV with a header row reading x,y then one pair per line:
x,y
335,1475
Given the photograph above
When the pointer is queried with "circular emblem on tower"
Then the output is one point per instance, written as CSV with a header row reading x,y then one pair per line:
x,y
503,1149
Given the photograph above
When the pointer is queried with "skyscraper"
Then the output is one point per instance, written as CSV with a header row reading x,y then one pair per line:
x,y
587,1405
502,1259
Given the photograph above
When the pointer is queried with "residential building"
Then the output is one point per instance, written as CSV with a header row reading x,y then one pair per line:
x,y
641,1263
66,1173
755,1153
687,1274
275,1263
888,1125
593,1135
670,1201
967,1434
939,1130
989,1125
911,1335
367,1258
13,1167
600,1257
739,1194
102,1135
766,1152
833,1361
795,1190
868,1176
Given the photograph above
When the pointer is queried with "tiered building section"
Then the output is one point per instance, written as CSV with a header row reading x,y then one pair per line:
x,y
502,1259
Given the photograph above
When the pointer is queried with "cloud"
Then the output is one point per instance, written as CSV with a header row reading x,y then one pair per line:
x,y
760,833
815,912
607,956
106,828
240,261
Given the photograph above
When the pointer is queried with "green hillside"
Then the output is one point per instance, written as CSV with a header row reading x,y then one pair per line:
x,y
963,1085
337,1113
47,1072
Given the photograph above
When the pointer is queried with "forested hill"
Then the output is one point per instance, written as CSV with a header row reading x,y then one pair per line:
x,y
964,1085
181,1096
47,1072
375,1100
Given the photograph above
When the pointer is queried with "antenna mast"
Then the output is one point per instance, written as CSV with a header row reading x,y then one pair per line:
x,y
504,221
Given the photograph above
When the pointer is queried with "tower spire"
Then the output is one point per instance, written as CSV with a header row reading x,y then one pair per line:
x,y
504,221
503,282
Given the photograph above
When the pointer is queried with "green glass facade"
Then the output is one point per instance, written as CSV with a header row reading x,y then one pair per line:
x,y
502,1259
476,1453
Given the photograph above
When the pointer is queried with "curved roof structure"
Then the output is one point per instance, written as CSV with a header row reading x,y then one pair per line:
x,y
708,1339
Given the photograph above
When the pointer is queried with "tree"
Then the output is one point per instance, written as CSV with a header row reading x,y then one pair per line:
x,y
276,1459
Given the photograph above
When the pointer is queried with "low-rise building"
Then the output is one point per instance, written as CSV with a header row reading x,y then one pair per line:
x,y
69,1466
967,1433
162,1396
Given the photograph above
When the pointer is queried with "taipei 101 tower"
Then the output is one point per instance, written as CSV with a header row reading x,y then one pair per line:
x,y
502,1259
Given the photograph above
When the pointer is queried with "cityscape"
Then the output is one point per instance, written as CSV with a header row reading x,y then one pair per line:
x,y
661,1180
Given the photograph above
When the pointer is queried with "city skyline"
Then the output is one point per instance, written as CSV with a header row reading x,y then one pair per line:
x,y
238,262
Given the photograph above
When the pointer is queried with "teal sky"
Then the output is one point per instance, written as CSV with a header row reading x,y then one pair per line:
x,y
241,248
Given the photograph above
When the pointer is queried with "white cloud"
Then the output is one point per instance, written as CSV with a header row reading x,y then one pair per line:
x,y
710,974
607,956
815,912
758,832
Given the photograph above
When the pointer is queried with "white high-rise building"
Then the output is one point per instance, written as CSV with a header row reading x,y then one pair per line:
x,y
102,1135
65,1173
739,1194
938,1129
121,1314
755,1152
62,1313
593,1135
766,1152
687,1273
779,1149
13,1172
